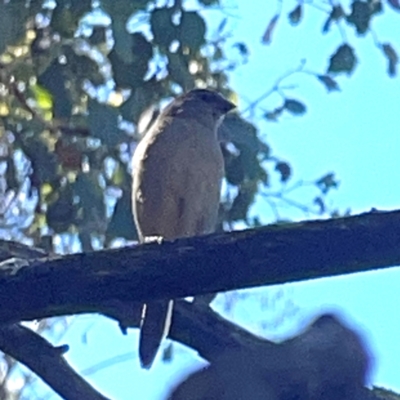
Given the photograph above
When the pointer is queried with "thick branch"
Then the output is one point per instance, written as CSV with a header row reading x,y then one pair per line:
x,y
273,254
47,362
193,325
196,326
210,334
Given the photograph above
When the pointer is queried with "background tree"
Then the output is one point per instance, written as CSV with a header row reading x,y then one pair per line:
x,y
80,83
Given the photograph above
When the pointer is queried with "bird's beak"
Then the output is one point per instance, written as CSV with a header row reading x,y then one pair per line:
x,y
228,106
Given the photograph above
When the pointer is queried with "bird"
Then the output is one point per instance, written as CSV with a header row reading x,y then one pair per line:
x,y
178,169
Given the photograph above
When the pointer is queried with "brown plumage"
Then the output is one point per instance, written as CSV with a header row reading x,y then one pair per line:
x,y
177,174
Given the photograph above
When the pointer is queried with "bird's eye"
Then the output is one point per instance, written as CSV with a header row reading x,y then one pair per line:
x,y
206,97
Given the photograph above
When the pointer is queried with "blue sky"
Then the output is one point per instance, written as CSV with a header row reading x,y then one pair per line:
x,y
353,133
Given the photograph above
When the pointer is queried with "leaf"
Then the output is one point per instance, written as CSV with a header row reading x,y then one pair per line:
x,y
360,16
243,49
244,166
98,35
142,52
79,67
234,170
168,353
179,71
164,31
266,39
11,176
130,74
122,41
251,167
241,204
274,114
335,15
222,25
92,208
284,169
218,53
122,9
44,162
294,107
142,99
295,15
79,7
124,74
327,182
239,131
43,97
53,79
265,151
103,123
343,60
61,213
376,6
63,21
256,223
120,176
320,203
192,30
208,2
121,223
330,84
392,57
13,16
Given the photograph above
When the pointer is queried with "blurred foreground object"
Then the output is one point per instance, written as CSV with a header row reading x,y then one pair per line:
x,y
327,361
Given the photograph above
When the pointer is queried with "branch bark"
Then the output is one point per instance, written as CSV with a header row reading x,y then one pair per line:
x,y
46,361
84,282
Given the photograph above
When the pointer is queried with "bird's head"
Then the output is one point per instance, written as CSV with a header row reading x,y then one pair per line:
x,y
202,104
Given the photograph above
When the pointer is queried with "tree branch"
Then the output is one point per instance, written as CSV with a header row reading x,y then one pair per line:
x,y
85,283
46,361
109,282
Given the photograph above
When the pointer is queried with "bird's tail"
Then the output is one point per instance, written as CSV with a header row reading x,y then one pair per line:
x,y
154,326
